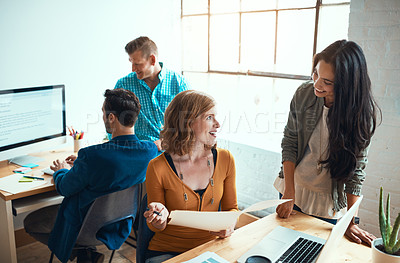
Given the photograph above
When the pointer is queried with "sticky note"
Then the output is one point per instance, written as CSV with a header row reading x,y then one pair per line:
x,y
30,165
25,180
22,170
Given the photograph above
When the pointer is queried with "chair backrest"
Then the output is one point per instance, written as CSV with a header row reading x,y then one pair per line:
x,y
144,233
106,210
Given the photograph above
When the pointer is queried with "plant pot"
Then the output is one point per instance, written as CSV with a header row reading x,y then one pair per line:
x,y
380,256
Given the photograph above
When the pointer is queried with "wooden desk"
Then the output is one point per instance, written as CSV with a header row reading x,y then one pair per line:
x,y
246,237
7,247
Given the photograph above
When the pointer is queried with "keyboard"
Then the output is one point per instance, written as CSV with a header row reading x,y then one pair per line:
x,y
48,171
303,250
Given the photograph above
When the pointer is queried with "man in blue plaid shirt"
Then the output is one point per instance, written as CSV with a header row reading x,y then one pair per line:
x,y
153,84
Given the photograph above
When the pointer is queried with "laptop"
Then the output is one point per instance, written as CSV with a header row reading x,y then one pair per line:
x,y
286,245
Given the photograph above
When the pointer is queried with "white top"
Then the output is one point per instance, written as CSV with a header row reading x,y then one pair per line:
x,y
313,185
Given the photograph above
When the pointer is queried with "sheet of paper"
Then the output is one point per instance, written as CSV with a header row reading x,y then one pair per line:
x,y
265,204
12,185
215,221
211,221
207,257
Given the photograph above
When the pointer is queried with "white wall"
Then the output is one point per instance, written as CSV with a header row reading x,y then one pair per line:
x,y
375,25
81,44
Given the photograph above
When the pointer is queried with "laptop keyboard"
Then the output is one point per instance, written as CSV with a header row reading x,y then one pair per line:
x,y
303,250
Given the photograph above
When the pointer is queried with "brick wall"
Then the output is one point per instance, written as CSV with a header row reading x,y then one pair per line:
x,y
256,170
375,26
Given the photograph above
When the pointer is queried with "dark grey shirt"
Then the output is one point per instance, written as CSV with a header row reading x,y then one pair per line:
x,y
305,112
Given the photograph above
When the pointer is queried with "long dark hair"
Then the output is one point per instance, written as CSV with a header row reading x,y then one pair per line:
x,y
352,118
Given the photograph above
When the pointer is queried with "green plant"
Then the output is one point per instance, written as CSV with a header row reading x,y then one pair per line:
x,y
389,233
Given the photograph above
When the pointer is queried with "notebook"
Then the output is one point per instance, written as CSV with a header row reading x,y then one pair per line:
x,y
286,245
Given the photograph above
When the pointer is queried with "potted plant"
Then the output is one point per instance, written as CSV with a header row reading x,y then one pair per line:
x,y
387,248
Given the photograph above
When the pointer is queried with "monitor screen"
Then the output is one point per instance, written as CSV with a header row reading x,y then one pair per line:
x,y
31,119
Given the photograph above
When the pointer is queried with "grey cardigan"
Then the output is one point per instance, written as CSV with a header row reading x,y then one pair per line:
x,y
305,112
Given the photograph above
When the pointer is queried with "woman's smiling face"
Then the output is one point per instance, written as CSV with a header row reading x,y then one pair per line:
x,y
324,77
205,127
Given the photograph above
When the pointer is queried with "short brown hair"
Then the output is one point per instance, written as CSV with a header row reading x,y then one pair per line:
x,y
177,135
144,44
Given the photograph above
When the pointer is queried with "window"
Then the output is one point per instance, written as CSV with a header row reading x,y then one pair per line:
x,y
251,55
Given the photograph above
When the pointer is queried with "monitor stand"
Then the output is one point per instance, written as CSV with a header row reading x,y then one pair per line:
x,y
25,159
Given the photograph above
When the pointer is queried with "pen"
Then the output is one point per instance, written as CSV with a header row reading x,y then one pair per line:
x,y
158,213
33,177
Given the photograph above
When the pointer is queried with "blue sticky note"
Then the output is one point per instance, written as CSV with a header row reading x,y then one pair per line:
x,y
30,165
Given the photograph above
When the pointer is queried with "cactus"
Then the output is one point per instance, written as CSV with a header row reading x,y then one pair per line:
x,y
389,233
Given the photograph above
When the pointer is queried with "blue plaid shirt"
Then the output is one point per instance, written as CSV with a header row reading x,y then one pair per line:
x,y
151,117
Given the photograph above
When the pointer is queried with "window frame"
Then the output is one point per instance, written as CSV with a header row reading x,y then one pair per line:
x,y
317,7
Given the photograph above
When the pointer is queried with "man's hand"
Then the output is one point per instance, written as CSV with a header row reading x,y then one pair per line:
x,y
70,160
57,165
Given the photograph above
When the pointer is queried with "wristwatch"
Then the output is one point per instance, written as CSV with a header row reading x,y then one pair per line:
x,y
356,220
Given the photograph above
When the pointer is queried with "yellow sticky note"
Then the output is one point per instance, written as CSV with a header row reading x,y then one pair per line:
x,y
25,180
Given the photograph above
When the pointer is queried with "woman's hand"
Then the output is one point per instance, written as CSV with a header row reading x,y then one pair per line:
x,y
286,209
70,160
355,233
157,215
224,233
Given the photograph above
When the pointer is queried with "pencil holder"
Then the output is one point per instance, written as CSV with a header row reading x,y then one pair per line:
x,y
78,144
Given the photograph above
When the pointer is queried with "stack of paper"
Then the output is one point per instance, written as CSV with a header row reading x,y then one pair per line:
x,y
13,185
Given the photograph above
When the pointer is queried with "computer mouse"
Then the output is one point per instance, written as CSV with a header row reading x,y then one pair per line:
x,y
258,259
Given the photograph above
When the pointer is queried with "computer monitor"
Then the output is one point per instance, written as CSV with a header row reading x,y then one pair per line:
x,y
31,120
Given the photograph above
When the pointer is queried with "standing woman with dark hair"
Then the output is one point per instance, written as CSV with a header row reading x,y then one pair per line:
x,y
192,174
327,137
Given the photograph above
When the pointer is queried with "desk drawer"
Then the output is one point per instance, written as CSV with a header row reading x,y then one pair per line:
x,y
35,202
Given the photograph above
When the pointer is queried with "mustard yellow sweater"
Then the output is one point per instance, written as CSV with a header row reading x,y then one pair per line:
x,y
164,186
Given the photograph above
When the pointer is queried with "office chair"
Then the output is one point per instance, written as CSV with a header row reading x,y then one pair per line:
x,y
101,218
132,238
144,234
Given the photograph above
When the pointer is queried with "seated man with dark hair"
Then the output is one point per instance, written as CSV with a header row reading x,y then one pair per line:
x,y
98,170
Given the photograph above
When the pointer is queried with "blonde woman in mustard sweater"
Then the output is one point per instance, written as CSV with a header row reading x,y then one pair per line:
x,y
192,174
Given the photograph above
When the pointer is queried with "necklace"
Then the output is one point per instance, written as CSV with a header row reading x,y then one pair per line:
x,y
321,126
319,164
211,180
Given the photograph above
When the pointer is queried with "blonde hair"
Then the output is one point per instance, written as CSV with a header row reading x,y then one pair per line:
x,y
177,136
